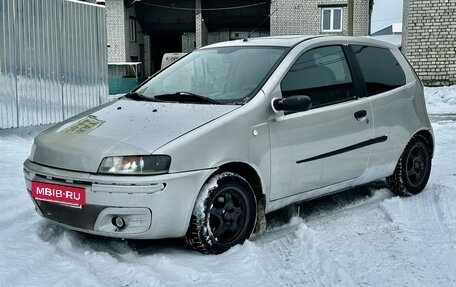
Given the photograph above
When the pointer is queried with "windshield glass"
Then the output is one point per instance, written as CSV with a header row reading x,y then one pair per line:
x,y
227,75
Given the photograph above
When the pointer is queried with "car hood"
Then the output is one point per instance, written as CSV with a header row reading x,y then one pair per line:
x,y
123,127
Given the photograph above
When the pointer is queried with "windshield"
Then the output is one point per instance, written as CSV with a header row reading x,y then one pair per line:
x,y
227,75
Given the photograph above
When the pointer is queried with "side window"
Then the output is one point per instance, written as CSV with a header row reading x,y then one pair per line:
x,y
380,69
322,74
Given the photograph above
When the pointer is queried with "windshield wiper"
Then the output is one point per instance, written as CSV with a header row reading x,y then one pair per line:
x,y
134,96
185,97
138,97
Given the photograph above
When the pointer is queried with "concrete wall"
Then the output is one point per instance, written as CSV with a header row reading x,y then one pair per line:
x,y
429,39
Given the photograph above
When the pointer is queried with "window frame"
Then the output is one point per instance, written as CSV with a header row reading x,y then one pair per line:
x,y
132,29
285,51
356,81
331,19
357,66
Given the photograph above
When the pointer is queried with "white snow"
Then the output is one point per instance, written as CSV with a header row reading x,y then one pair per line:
x,y
440,100
365,236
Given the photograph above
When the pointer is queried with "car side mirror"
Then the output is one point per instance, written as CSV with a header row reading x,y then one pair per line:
x,y
293,104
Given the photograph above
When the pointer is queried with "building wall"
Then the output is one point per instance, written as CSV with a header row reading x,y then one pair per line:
x,y
188,42
361,18
121,47
304,17
429,37
221,35
189,39
115,20
132,48
148,67
201,29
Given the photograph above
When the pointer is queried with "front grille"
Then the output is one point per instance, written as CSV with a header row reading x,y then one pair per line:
x,y
83,218
63,180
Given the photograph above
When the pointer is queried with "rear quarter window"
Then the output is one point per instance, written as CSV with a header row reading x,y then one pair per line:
x,y
381,70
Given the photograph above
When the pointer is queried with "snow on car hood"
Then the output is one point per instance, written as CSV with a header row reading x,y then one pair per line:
x,y
125,127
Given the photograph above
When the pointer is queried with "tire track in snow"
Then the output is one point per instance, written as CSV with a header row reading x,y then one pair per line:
x,y
428,222
439,216
298,259
425,214
102,263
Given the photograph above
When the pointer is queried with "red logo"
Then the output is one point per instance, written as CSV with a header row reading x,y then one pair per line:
x,y
58,193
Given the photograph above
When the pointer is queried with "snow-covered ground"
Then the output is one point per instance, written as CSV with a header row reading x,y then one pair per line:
x,y
365,236
441,100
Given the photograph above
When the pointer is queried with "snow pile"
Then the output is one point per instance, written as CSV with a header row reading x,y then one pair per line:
x,y
440,100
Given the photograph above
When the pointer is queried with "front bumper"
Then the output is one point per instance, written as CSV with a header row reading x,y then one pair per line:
x,y
152,206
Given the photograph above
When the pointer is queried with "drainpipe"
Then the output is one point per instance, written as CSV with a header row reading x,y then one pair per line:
x,y
350,7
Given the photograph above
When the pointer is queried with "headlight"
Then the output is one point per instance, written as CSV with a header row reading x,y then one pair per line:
x,y
136,165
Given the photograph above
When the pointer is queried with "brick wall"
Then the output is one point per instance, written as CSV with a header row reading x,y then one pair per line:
x,y
304,17
188,42
361,18
189,39
429,39
115,20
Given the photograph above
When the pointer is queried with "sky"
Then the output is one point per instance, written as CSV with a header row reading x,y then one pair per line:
x,y
385,13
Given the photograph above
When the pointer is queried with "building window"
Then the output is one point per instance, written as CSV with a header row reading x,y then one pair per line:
x,y
331,19
133,30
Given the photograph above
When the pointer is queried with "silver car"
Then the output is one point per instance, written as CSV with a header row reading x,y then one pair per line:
x,y
231,132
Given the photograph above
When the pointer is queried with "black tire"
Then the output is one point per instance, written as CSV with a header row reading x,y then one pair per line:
x,y
413,168
223,216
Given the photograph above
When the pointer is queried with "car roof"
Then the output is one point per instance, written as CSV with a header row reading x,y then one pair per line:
x,y
292,40
280,41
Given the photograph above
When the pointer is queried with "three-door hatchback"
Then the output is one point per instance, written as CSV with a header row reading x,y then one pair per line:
x,y
232,131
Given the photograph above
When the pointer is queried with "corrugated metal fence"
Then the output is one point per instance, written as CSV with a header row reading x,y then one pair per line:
x,y
53,60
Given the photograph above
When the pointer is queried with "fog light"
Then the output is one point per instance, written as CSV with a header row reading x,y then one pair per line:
x,y
118,222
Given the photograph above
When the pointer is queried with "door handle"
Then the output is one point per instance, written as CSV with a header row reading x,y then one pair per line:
x,y
360,115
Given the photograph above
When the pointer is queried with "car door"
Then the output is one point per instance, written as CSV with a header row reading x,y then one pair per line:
x,y
391,101
329,143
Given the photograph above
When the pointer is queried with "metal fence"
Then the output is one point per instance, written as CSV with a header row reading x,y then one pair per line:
x,y
53,60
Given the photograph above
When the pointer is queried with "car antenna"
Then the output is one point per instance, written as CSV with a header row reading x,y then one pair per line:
x,y
262,22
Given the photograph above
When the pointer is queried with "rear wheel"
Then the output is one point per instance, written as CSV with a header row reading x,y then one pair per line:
x,y
223,216
413,169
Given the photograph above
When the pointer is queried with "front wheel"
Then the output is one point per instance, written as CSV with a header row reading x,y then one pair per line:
x,y
223,216
413,169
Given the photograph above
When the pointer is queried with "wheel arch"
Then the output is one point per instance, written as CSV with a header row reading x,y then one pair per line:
x,y
248,173
427,135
